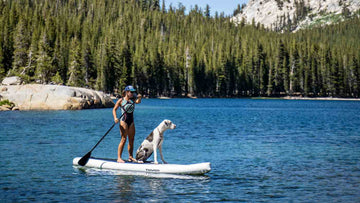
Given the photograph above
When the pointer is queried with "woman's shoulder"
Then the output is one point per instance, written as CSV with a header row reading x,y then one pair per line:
x,y
119,100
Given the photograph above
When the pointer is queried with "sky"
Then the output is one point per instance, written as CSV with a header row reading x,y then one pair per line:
x,y
226,6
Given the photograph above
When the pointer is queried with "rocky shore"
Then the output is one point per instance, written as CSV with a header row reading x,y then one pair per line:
x,y
8,106
52,97
321,98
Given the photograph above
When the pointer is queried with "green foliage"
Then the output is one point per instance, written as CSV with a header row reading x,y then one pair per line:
x,y
7,102
21,46
2,68
108,44
44,67
75,73
57,79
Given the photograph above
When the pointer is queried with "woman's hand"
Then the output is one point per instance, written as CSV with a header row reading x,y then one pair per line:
x,y
138,99
117,105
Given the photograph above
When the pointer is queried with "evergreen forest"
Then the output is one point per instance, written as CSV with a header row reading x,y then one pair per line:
x,y
108,44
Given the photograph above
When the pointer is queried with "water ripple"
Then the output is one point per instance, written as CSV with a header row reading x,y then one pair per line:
x,y
260,151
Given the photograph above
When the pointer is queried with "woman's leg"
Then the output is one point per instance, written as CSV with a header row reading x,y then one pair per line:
x,y
131,135
123,132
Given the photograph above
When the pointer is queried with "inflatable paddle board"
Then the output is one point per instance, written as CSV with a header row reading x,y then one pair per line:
x,y
189,169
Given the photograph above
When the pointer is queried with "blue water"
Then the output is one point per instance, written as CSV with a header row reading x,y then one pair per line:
x,y
260,150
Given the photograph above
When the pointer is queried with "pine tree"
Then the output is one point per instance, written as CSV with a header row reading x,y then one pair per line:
x,y
354,76
294,69
89,65
207,11
100,80
7,45
270,86
2,68
155,5
57,63
43,63
128,72
33,55
21,45
75,73
237,10
112,65
163,7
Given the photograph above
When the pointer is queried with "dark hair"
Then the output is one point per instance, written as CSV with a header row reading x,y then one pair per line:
x,y
123,94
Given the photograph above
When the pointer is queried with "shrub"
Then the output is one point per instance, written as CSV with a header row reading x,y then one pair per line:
x,y
7,102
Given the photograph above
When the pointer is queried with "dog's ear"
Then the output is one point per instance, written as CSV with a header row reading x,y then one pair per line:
x,y
166,123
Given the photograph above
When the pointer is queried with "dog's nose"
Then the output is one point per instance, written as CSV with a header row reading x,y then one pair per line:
x,y
174,126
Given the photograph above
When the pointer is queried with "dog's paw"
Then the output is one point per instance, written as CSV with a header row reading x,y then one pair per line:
x,y
164,162
156,162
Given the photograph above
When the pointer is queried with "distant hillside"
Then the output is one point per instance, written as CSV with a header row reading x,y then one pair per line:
x,y
297,14
108,44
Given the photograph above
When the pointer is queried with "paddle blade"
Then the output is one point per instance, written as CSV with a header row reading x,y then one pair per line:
x,y
84,159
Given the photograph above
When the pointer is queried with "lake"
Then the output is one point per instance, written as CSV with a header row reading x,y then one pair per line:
x,y
260,150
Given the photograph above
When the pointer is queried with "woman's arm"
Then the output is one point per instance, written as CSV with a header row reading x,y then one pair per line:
x,y
117,105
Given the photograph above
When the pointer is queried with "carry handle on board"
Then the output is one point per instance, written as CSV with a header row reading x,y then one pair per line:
x,y
85,159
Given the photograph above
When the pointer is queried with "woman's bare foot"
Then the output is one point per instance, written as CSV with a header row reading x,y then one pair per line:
x,y
120,161
132,159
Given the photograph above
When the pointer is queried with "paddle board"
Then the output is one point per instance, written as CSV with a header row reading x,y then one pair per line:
x,y
188,169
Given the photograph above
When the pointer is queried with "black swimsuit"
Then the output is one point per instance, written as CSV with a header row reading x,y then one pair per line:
x,y
127,108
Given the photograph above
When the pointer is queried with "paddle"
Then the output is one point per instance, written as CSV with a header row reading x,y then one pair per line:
x,y
85,159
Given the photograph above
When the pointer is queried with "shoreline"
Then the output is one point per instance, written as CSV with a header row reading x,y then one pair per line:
x,y
270,98
321,98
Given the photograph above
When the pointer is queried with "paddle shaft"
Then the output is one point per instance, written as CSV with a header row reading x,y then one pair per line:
x,y
86,157
104,136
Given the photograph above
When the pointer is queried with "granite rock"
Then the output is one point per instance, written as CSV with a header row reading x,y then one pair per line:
x,y
54,97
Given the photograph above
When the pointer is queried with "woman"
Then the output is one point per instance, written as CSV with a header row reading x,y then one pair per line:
x,y
127,126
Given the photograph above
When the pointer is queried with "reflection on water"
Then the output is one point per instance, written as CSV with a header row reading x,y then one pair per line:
x,y
124,187
134,186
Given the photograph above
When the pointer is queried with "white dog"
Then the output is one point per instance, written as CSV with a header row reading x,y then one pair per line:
x,y
154,141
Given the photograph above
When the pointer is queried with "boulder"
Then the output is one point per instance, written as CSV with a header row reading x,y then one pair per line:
x,y
2,108
6,106
54,97
15,80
